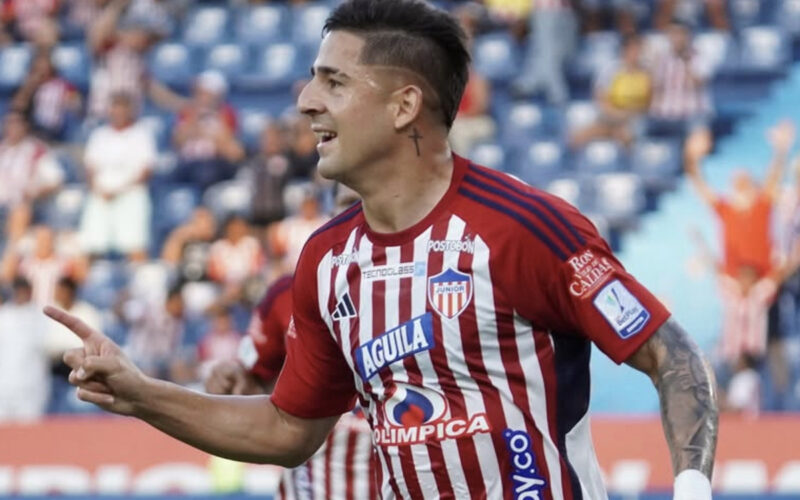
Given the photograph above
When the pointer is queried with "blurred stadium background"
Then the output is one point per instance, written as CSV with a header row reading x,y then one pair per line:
x,y
226,166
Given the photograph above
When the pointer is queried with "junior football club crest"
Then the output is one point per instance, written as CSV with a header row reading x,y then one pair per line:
x,y
449,292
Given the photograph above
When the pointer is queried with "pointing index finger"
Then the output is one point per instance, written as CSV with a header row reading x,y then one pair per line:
x,y
74,323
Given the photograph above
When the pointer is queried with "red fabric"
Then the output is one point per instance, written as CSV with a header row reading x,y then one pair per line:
x,y
268,329
746,237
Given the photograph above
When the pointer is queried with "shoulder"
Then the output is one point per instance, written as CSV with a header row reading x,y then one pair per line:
x,y
277,291
530,215
334,231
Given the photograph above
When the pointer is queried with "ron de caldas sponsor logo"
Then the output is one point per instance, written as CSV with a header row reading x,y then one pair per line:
x,y
589,272
415,415
466,245
526,480
626,315
406,339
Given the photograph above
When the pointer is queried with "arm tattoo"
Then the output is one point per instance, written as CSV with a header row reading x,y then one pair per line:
x,y
687,393
416,137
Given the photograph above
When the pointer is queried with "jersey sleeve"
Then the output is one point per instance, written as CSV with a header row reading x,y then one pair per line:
x,y
588,292
316,381
263,350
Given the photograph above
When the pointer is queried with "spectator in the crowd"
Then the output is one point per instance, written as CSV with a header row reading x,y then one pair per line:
x,y
303,156
288,237
47,97
267,173
156,336
744,214
473,122
220,342
34,21
552,40
622,96
205,134
235,257
187,247
681,97
42,264
28,173
119,40
743,394
594,12
668,10
59,338
24,364
118,160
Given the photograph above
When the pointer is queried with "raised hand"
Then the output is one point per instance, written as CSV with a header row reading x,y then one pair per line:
x,y
782,135
698,145
100,370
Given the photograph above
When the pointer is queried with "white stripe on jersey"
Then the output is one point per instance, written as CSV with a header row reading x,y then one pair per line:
x,y
430,379
580,451
456,361
419,452
534,381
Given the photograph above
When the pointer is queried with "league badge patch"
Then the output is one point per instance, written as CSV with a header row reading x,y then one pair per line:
x,y
449,292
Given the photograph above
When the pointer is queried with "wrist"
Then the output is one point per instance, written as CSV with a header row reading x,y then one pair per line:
x,y
691,484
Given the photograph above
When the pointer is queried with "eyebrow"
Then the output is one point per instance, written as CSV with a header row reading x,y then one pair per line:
x,y
328,71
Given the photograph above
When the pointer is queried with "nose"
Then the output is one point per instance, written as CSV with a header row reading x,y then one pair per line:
x,y
307,102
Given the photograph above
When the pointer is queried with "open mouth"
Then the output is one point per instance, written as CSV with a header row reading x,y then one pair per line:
x,y
324,137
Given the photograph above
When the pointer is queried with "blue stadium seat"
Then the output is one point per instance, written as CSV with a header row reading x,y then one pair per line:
x,y
72,62
495,57
104,280
657,162
578,115
489,154
206,26
307,23
63,210
597,51
228,197
262,24
230,59
251,123
717,48
619,197
14,61
568,189
745,13
157,124
787,17
523,122
171,63
175,205
542,162
600,157
764,50
276,67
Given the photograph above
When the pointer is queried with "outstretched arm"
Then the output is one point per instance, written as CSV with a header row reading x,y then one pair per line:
x,y
688,396
244,428
781,136
697,146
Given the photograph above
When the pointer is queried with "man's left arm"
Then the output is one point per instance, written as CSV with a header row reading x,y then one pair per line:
x,y
688,395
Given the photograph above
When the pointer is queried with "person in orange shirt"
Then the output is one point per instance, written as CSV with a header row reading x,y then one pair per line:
x,y
745,213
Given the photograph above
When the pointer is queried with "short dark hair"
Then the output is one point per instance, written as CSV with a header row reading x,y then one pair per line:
x,y
413,35
68,283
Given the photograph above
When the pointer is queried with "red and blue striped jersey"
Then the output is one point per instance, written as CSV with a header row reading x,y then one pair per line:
x,y
466,340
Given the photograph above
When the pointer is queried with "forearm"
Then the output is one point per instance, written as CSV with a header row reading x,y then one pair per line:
x,y
243,428
689,412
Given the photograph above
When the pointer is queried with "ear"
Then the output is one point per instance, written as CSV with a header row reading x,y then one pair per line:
x,y
406,105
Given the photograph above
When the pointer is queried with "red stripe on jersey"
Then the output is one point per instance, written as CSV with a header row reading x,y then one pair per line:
x,y
544,350
473,357
467,452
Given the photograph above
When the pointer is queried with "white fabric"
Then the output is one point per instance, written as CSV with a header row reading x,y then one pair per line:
x,y
24,366
26,168
691,484
744,392
122,224
580,450
118,157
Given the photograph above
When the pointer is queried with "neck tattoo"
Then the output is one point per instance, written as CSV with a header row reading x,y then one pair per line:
x,y
416,137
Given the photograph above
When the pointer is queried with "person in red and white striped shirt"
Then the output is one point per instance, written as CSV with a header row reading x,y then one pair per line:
x,y
455,303
343,469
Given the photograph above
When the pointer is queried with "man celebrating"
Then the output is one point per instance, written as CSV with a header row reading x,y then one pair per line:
x,y
456,304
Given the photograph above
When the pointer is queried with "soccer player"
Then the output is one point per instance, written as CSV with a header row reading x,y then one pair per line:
x,y
455,303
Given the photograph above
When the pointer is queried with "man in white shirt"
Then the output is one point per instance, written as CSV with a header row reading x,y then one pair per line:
x,y
118,158
24,366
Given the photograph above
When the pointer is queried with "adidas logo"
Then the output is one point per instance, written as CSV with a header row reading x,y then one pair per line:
x,y
344,309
